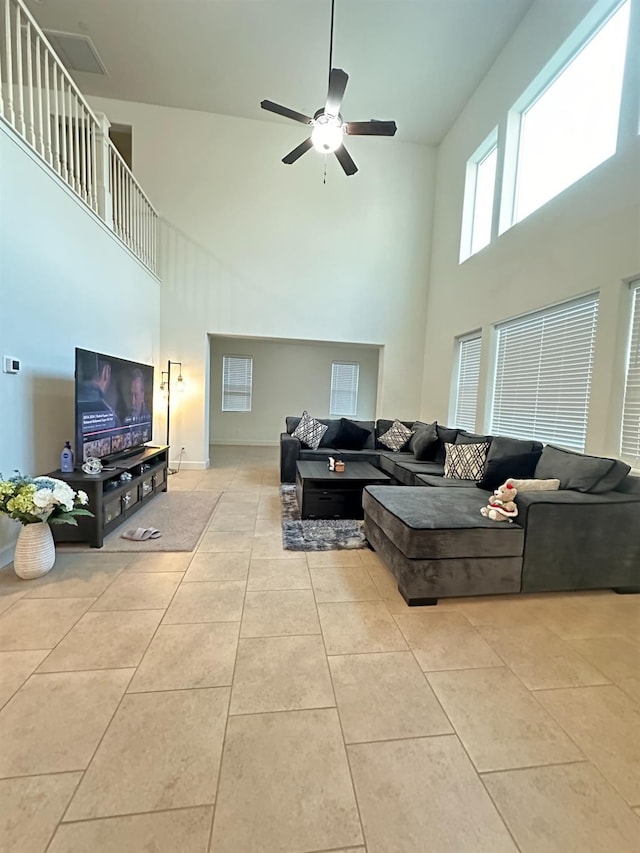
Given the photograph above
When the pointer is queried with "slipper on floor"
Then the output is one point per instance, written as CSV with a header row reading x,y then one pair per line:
x,y
141,534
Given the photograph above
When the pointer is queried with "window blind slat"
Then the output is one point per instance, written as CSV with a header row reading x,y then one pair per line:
x,y
630,432
344,389
543,373
237,383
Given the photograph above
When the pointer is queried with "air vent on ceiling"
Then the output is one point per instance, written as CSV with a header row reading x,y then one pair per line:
x,y
76,52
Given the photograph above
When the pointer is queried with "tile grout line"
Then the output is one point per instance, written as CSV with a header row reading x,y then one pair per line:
x,y
216,796
344,743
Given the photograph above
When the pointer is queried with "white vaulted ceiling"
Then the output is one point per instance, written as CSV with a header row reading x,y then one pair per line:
x,y
415,61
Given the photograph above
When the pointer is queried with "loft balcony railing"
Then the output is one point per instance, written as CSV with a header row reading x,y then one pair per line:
x,y
43,105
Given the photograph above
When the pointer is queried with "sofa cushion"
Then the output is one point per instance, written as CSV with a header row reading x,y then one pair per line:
x,y
406,470
446,435
309,431
502,445
424,525
351,436
465,437
500,468
396,437
424,442
443,482
582,473
465,461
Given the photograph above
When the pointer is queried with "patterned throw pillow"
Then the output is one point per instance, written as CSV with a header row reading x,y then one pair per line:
x,y
396,436
309,431
465,461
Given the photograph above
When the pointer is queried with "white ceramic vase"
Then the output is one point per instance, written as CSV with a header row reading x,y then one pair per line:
x,y
35,551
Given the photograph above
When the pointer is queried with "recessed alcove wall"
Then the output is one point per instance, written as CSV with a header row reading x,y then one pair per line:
x,y
288,376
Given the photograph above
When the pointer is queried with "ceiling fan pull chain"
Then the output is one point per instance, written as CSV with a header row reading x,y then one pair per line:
x,y
324,180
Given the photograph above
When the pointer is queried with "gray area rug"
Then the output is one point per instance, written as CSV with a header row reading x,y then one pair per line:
x,y
179,516
316,534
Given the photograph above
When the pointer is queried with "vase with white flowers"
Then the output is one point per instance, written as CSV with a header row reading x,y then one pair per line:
x,y
38,502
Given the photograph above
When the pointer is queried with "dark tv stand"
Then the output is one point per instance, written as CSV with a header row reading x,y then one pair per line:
x,y
111,500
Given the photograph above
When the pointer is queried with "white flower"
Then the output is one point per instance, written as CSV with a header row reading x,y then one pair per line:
x,y
83,497
63,494
44,499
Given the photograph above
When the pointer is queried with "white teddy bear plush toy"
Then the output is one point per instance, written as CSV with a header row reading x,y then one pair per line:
x,y
502,504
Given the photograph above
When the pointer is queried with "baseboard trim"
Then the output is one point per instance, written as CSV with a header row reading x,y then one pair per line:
x,y
174,464
243,442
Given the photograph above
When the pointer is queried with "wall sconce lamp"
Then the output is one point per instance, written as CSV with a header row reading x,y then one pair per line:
x,y
164,381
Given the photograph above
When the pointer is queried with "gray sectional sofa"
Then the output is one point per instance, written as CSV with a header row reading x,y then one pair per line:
x,y
431,535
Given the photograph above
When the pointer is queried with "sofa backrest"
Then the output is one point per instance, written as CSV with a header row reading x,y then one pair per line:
x,y
333,425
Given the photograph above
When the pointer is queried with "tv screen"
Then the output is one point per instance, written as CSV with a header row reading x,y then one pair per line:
x,y
114,404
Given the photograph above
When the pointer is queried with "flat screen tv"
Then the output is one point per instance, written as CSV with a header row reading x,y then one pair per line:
x,y
114,405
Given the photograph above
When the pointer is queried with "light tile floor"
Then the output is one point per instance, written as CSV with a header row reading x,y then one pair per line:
x,y
246,699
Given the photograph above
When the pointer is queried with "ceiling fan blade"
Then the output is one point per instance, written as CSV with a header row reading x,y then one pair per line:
x,y
285,111
344,158
337,84
370,128
292,156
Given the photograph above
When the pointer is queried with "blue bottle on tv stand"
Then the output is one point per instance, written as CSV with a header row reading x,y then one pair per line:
x,y
66,458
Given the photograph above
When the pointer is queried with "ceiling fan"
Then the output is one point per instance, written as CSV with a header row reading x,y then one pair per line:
x,y
327,127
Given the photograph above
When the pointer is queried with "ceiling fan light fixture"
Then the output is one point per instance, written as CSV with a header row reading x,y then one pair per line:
x,y
327,134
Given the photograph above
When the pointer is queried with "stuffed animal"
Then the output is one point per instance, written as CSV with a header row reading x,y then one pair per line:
x,y
502,504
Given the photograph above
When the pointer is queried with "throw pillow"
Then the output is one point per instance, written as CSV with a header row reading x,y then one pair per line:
x,y
446,435
351,436
465,461
496,471
424,442
535,485
504,446
416,427
309,431
396,436
465,437
593,474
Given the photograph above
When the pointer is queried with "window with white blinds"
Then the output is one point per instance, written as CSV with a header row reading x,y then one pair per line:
x,y
344,388
237,380
468,375
630,437
542,381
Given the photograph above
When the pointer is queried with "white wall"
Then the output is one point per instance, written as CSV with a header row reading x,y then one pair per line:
x,y
65,281
288,376
586,239
254,248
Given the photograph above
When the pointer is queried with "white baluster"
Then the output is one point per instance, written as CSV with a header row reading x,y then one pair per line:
x,y
10,114
39,93
57,123
19,81
76,142
64,148
94,167
30,115
48,150
83,153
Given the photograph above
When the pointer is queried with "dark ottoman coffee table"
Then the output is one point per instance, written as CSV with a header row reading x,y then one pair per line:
x,y
328,494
